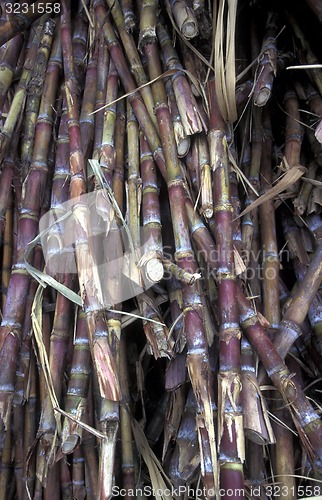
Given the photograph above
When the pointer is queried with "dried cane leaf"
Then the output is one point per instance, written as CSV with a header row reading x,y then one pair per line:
x,y
289,178
160,482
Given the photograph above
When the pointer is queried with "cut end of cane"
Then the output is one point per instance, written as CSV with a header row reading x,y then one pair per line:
x,y
154,270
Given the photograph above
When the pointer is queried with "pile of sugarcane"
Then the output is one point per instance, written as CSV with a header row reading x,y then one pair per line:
x,y
161,249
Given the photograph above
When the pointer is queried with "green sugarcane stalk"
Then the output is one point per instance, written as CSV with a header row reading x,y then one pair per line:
x,y
230,426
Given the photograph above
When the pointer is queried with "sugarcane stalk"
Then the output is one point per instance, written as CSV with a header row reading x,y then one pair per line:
x,y
284,451
185,18
87,270
294,133
151,217
128,471
86,119
267,67
205,177
79,41
197,360
132,56
130,20
188,108
76,396
186,458
34,186
8,63
250,220
7,250
182,140
140,111
301,202
230,427
18,103
17,22
305,418
78,475
118,174
35,89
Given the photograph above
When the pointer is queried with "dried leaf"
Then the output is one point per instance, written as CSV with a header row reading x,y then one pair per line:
x,y
289,178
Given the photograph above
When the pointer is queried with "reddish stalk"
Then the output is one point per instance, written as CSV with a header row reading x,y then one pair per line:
x,y
230,426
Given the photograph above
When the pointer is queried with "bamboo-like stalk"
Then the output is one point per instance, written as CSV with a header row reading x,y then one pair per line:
x,y
256,422
230,426
301,202
118,175
35,89
185,18
188,108
197,357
